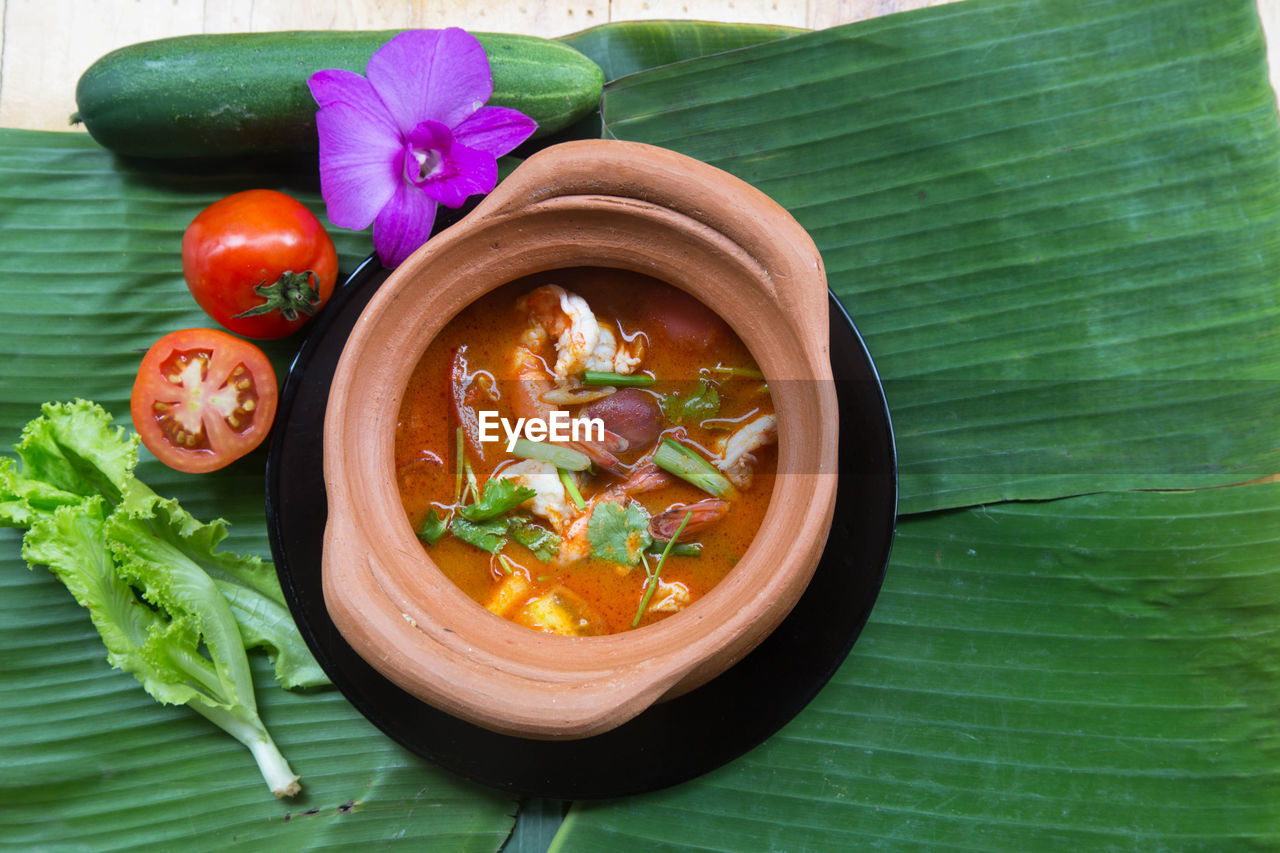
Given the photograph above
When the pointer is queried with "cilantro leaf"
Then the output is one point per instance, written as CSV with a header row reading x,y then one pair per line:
x,y
692,407
544,544
490,535
619,535
500,495
433,527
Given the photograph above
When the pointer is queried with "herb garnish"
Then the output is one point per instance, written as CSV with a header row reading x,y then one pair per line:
x,y
621,380
490,535
543,544
500,496
653,576
561,457
689,465
459,462
684,549
694,407
433,527
618,534
571,489
737,372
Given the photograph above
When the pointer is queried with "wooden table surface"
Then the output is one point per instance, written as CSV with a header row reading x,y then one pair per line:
x,y
46,44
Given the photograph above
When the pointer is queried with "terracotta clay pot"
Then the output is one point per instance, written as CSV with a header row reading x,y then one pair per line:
x,y
581,204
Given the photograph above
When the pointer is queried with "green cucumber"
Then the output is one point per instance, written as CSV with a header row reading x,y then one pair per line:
x,y
222,95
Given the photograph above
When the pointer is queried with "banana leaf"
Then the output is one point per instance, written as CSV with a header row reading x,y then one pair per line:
x,y
90,277
982,179
625,47
1091,673
1055,224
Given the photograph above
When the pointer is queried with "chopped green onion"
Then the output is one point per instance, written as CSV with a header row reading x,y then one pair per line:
x,y
561,457
459,459
684,549
622,380
690,466
472,486
571,489
741,372
506,564
653,578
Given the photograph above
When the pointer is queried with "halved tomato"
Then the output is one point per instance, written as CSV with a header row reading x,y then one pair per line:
x,y
203,399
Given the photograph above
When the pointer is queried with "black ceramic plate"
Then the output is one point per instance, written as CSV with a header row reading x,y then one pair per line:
x,y
668,743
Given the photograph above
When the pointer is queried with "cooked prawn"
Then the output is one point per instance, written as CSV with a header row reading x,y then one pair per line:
x,y
611,358
736,459
701,514
574,545
550,501
565,319
668,597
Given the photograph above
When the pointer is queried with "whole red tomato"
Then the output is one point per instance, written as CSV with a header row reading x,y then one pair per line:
x,y
259,263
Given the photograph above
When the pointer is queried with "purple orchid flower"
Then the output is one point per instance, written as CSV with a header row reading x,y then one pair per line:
x,y
411,135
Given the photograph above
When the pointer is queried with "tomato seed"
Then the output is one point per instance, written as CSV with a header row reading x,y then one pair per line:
x,y
248,405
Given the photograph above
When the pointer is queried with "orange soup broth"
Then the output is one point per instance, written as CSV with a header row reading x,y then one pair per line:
x,y
489,329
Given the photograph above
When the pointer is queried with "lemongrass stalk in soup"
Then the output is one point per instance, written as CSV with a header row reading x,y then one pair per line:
x,y
635,513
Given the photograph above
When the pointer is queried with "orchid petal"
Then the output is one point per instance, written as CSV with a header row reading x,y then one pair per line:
x,y
441,75
361,159
335,85
466,172
403,224
495,130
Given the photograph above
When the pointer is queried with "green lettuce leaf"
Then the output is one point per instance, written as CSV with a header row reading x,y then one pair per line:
x,y
22,501
163,641
163,534
73,453
75,448
72,542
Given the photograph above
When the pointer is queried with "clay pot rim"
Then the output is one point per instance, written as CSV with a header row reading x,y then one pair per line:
x,y
553,661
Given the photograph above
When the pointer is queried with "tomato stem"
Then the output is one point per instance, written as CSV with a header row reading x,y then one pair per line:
x,y
291,294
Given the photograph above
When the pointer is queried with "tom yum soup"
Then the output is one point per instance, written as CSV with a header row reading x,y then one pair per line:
x,y
586,453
